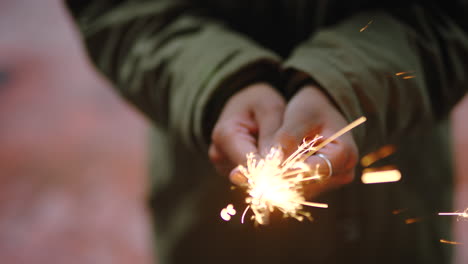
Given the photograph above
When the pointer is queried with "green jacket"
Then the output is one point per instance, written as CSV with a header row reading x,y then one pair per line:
x,y
179,61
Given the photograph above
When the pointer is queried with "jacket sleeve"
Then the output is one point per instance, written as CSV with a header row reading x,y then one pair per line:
x,y
173,63
404,69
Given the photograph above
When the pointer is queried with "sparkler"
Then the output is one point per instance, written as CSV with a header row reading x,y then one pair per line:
x,y
274,183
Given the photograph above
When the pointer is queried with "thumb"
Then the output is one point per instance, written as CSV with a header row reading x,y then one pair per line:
x,y
232,141
269,119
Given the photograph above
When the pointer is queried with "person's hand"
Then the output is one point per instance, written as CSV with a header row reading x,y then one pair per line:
x,y
307,114
247,122
72,164
310,113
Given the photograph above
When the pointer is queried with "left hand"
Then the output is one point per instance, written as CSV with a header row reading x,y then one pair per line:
x,y
248,120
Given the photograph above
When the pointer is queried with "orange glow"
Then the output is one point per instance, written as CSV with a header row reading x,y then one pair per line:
x,y
381,153
403,73
366,26
409,77
450,242
398,211
412,220
370,177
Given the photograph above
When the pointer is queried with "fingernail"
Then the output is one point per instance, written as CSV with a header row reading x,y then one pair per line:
x,y
237,177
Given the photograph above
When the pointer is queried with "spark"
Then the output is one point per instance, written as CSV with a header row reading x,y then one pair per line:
x,y
401,73
276,183
227,212
366,26
407,75
245,212
460,215
412,220
399,211
375,156
450,242
370,177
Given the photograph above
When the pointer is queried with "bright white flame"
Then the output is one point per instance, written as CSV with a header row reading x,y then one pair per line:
x,y
460,215
274,183
381,176
227,212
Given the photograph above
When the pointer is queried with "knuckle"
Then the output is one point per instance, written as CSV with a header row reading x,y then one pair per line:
x,y
213,154
218,134
285,139
347,178
222,135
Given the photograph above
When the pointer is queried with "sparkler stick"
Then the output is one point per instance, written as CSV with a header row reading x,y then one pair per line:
x,y
338,134
457,214
276,184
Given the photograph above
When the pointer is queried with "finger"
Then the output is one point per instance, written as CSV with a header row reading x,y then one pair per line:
x,y
220,162
337,159
306,115
214,154
237,178
295,128
320,166
335,169
290,135
234,139
313,189
269,118
224,167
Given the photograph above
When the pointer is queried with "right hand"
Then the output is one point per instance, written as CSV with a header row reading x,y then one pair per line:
x,y
247,122
310,113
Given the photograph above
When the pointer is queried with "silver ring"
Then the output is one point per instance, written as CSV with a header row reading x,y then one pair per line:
x,y
330,169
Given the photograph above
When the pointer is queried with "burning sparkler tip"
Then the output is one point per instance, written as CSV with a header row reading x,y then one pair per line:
x,y
273,183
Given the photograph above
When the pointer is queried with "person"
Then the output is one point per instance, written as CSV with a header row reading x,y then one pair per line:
x,y
232,77
72,163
